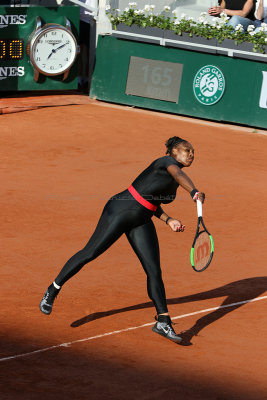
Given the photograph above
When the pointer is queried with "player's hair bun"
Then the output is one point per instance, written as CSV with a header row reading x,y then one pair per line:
x,y
173,142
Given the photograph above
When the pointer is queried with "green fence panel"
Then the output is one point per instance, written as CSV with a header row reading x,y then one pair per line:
x,y
213,87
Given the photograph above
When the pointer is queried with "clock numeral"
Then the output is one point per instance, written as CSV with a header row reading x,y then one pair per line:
x,y
69,50
38,59
40,41
66,59
60,65
43,65
52,67
54,33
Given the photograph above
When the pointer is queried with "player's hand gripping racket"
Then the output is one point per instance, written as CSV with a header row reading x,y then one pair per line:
x,y
203,245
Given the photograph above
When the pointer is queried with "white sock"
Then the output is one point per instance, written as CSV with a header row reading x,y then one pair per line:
x,y
56,286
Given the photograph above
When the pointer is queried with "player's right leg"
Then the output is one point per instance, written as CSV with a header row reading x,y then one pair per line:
x,y
144,242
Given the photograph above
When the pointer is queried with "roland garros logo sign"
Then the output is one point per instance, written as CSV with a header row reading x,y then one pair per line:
x,y
209,85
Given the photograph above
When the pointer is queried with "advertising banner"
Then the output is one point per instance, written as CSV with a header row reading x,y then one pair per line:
x,y
17,26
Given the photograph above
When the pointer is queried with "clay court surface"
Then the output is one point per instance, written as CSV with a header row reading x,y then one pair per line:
x,y
59,166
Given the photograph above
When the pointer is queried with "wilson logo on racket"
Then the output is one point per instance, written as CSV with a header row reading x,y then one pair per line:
x,y
203,244
203,251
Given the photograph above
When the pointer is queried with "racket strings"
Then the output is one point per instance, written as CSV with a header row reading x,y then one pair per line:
x,y
202,251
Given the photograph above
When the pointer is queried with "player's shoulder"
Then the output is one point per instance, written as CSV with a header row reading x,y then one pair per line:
x,y
166,161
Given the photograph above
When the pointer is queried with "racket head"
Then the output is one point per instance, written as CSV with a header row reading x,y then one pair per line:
x,y
202,251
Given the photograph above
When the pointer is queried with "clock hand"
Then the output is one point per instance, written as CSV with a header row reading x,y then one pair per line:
x,y
52,52
55,50
60,47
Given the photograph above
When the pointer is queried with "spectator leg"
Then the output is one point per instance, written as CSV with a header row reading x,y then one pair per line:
x,y
236,20
258,23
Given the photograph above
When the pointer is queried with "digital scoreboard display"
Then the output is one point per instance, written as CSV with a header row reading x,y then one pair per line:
x,y
11,49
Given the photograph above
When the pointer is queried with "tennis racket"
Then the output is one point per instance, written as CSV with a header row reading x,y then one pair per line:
x,y
203,245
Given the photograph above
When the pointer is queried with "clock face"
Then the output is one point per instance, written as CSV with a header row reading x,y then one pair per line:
x,y
54,50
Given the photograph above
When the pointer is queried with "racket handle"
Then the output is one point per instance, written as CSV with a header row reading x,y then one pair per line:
x,y
199,208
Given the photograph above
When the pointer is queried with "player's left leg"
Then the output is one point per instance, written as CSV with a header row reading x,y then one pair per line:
x,y
144,242
110,227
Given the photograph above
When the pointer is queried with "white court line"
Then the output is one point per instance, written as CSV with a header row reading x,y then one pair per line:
x,y
128,329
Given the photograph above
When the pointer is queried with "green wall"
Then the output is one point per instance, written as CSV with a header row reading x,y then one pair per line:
x,y
239,102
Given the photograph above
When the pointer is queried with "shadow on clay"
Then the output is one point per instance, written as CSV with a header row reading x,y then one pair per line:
x,y
235,292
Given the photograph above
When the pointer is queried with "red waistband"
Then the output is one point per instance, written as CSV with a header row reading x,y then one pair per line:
x,y
141,200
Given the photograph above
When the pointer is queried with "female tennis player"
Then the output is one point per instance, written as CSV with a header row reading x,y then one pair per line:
x,y
131,212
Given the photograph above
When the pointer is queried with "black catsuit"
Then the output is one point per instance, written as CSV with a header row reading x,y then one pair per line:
x,y
124,214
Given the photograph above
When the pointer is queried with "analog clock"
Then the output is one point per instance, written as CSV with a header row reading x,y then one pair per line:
x,y
52,49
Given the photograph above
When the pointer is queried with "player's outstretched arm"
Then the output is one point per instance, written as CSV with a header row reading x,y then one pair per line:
x,y
184,181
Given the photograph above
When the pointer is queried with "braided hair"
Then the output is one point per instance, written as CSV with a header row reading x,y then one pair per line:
x,y
173,142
